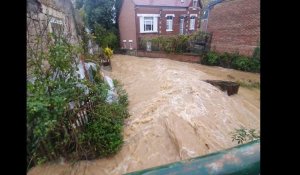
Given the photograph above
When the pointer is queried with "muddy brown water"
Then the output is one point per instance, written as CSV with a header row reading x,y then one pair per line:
x,y
174,115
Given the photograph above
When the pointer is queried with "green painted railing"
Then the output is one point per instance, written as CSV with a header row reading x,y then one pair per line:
x,y
240,160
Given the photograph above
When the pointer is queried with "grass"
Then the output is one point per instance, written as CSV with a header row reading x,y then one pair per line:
x,y
249,84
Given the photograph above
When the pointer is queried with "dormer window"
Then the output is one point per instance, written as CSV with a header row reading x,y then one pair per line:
x,y
195,3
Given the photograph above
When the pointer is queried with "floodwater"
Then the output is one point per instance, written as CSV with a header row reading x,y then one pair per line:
x,y
174,115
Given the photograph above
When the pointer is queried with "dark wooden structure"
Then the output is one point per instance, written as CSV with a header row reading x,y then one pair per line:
x,y
229,86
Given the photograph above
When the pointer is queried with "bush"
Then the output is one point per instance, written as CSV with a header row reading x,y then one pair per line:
x,y
242,63
226,60
256,53
49,133
110,40
246,64
106,38
211,58
103,136
234,61
176,44
104,133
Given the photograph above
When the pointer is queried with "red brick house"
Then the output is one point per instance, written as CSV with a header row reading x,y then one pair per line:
x,y
149,18
234,24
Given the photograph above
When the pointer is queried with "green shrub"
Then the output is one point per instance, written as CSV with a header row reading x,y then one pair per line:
x,y
256,53
103,136
242,63
173,44
211,58
49,134
104,133
246,64
255,66
106,38
226,60
230,60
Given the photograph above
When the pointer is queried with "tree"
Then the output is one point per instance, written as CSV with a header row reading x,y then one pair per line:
x,y
100,16
79,4
100,12
118,6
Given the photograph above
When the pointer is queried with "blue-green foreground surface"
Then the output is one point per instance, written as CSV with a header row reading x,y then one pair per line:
x,y
240,160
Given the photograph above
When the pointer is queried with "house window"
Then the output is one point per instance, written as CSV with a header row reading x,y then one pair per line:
x,y
192,23
194,3
181,25
169,23
148,24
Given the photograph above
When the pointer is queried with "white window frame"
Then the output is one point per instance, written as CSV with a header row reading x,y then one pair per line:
x,y
154,23
192,21
181,25
169,22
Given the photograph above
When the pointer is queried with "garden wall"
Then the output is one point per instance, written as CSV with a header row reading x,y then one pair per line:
x,y
177,57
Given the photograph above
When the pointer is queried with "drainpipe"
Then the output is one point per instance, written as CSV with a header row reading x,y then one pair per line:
x,y
207,20
240,160
209,7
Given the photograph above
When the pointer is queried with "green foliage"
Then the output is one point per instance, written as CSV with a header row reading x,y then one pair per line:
x,y
211,58
246,64
256,53
249,84
226,59
175,44
100,12
79,4
106,38
108,52
52,90
242,63
99,16
103,136
49,134
118,5
234,61
244,135
123,96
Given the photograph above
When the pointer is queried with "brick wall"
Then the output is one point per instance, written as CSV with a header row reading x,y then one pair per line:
x,y
235,25
162,20
127,24
177,57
